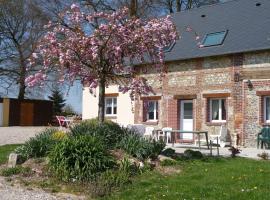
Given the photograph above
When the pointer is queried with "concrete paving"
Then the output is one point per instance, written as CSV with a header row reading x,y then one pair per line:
x,y
245,152
17,134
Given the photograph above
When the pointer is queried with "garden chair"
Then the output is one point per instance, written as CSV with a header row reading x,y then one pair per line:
x,y
264,137
149,132
166,134
138,128
61,120
221,138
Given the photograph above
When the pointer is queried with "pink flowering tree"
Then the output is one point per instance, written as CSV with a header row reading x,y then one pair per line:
x,y
101,49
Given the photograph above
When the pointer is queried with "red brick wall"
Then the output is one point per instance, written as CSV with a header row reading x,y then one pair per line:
x,y
194,78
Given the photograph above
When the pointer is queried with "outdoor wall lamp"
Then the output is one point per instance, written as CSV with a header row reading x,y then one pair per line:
x,y
249,84
236,77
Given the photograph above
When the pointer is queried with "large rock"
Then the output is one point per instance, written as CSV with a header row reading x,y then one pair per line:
x,y
12,160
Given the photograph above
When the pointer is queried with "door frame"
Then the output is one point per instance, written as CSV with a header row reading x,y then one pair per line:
x,y
182,116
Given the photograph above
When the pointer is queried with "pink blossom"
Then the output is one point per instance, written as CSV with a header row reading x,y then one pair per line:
x,y
114,45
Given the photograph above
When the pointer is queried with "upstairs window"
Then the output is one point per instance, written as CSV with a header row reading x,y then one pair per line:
x,y
217,110
110,106
214,39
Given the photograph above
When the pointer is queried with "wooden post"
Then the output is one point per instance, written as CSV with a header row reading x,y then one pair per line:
x,y
211,148
217,147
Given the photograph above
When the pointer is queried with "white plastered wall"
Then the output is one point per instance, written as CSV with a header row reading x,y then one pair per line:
x,y
125,113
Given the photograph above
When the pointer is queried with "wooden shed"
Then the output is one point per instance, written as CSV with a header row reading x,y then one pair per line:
x,y
14,112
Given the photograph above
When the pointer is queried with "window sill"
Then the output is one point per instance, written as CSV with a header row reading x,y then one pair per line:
x,y
110,116
215,123
265,124
150,122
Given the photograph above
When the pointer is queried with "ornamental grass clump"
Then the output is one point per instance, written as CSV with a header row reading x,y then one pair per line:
x,y
80,158
38,146
109,132
139,147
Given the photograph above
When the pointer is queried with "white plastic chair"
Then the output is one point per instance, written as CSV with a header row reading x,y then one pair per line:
x,y
166,131
139,128
148,132
221,137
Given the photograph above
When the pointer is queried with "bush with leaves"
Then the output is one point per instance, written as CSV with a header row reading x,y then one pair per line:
x,y
38,146
169,152
190,154
234,151
139,147
80,158
108,132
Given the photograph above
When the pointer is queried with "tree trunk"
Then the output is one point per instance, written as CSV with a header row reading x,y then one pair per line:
x,y
22,77
178,5
133,8
101,100
21,90
189,4
170,5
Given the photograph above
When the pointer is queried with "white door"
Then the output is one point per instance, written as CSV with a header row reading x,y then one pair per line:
x,y
186,119
1,114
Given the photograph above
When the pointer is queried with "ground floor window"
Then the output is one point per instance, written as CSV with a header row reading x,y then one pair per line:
x,y
152,110
267,109
217,110
110,106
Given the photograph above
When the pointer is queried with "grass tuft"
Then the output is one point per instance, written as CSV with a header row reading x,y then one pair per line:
x,y
5,151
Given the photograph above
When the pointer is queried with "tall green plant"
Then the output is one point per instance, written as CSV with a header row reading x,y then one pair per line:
x,y
80,158
38,146
139,147
109,132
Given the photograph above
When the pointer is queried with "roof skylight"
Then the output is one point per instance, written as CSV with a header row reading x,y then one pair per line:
x,y
214,39
169,47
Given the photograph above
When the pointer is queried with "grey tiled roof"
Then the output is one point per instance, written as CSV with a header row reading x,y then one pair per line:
x,y
248,28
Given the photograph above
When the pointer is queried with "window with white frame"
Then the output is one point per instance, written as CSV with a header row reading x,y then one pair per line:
x,y
110,106
267,109
152,111
218,110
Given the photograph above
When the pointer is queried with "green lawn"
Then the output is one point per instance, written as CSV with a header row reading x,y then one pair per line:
x,y
213,179
5,151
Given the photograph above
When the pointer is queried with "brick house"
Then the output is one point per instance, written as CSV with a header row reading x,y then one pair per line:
x,y
225,81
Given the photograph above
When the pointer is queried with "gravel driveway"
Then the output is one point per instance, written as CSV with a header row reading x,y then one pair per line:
x,y
17,134
16,192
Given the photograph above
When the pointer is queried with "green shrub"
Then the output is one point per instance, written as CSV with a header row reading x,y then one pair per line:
x,y
190,154
15,170
109,181
38,146
169,152
139,147
79,158
168,162
263,155
109,132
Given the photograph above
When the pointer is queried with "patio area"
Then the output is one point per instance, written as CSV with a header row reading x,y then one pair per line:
x,y
245,152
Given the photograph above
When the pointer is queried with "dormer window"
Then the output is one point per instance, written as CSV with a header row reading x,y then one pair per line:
x,y
214,39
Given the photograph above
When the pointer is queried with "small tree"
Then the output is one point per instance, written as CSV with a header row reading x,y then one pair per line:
x,y
58,101
101,48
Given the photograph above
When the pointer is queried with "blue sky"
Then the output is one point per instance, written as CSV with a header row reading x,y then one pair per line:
x,y
74,97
